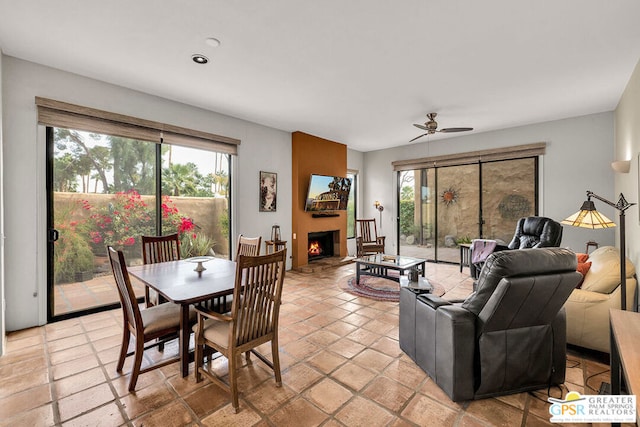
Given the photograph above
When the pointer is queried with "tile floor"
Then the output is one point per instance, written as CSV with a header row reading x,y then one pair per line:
x,y
341,367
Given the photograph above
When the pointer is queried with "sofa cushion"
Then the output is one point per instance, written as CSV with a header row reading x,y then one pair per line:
x,y
604,274
583,268
582,257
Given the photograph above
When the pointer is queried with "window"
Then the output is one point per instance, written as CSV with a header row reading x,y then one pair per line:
x,y
352,205
112,179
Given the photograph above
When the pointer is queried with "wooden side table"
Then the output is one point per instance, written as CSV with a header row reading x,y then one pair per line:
x,y
271,246
625,353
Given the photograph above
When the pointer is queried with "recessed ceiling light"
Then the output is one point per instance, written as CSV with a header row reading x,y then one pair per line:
x,y
199,59
212,42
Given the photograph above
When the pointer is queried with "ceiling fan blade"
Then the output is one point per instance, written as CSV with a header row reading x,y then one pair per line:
x,y
423,127
450,130
418,137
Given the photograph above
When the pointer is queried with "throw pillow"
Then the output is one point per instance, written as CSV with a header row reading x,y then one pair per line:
x,y
582,257
583,268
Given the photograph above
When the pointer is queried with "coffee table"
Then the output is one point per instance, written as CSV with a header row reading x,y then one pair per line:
x,y
379,265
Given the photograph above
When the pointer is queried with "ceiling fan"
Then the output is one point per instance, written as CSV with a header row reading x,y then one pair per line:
x,y
431,126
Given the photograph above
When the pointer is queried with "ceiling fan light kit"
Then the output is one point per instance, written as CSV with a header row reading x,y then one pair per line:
x,y
431,126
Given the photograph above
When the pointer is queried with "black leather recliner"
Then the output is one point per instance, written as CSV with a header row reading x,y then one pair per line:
x,y
509,336
531,232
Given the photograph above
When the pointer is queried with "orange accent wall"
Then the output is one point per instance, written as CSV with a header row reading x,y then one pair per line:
x,y
314,155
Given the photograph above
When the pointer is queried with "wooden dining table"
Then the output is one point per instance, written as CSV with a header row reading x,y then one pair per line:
x,y
179,283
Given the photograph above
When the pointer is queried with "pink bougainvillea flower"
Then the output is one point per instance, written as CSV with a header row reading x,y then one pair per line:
x,y
186,224
130,241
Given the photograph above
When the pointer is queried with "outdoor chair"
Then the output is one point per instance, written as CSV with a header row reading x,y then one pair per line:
x,y
253,320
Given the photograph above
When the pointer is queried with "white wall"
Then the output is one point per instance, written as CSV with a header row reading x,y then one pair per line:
x,y
627,131
2,299
578,157
23,169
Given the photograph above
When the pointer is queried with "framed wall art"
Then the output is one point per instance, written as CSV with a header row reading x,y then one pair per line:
x,y
268,191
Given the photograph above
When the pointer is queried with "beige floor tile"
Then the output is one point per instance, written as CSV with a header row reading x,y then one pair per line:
x,y
372,359
108,415
16,403
496,412
300,376
207,399
76,404
388,393
173,414
267,397
41,416
363,412
328,395
326,361
346,347
424,411
298,413
78,382
226,417
146,400
353,376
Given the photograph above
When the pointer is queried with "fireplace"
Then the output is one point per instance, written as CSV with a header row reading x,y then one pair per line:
x,y
321,245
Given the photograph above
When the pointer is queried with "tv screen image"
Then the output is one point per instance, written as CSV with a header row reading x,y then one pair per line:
x,y
327,193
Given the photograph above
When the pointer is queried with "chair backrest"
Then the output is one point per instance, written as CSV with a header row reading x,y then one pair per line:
x,y
366,230
256,297
128,300
160,248
536,232
526,263
248,246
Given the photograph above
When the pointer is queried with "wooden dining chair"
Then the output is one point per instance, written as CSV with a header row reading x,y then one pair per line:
x,y
248,246
158,249
162,320
367,240
253,320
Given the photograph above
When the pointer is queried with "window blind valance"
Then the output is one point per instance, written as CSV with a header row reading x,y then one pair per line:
x,y
505,153
71,116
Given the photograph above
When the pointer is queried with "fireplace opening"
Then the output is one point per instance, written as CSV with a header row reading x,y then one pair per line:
x,y
321,245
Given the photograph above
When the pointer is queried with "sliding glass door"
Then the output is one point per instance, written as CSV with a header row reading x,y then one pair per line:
x,y
443,207
108,190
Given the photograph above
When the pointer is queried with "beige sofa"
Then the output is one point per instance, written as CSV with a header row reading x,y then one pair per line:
x,y
588,307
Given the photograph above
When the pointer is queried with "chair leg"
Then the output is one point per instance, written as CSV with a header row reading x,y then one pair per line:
x,y
198,357
233,382
275,355
247,356
137,362
126,336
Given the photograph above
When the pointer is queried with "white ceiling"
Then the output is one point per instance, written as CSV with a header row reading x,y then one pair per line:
x,y
358,72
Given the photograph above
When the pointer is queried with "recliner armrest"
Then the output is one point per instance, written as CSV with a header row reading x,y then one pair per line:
x,y
433,301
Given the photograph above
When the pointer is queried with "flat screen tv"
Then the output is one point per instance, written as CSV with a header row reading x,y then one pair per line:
x,y
327,193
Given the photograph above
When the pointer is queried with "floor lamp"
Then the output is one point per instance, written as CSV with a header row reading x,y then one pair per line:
x,y
589,217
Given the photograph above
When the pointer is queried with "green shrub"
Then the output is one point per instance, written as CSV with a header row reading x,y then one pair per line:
x,y
407,211
72,253
196,245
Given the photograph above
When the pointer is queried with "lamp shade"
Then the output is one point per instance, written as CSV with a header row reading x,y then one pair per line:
x,y
621,166
588,217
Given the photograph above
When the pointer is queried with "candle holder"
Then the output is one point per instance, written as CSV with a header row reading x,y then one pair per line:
x,y
275,233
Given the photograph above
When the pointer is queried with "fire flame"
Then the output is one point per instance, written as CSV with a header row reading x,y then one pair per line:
x,y
314,248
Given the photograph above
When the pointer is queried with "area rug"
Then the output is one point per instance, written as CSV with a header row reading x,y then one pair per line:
x,y
378,288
